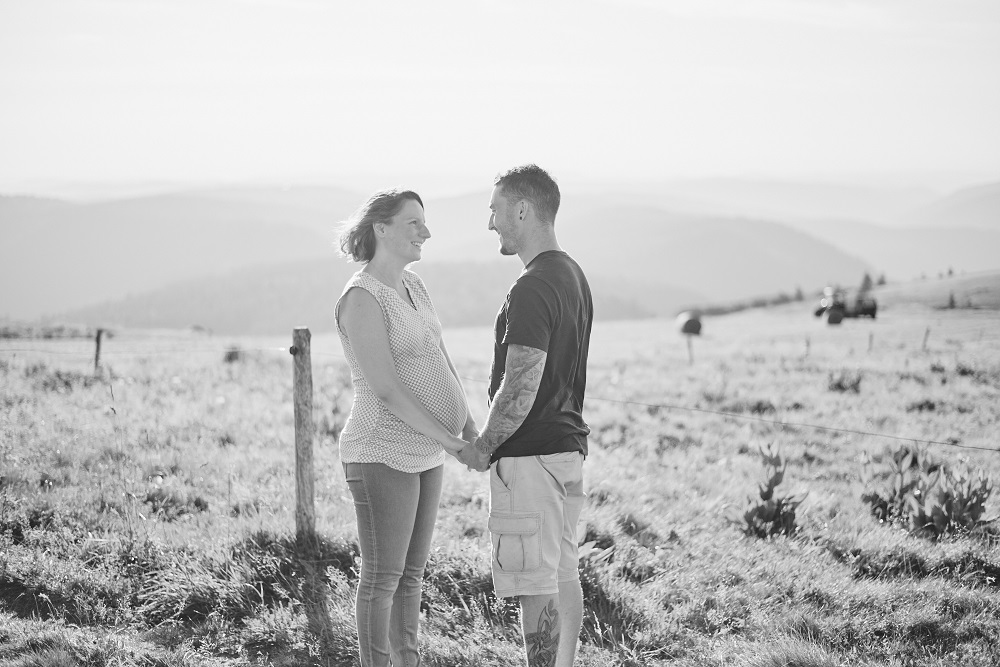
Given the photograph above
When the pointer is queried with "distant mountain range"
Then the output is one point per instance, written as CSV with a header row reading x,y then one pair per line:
x,y
276,298
253,260
977,207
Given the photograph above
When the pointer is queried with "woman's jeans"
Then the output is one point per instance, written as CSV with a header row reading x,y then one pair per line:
x,y
396,513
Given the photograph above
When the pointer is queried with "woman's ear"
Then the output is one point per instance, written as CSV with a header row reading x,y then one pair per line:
x,y
379,229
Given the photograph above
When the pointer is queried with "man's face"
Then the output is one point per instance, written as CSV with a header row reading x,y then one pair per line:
x,y
503,221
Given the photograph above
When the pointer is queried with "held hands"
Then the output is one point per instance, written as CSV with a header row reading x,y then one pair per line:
x,y
473,458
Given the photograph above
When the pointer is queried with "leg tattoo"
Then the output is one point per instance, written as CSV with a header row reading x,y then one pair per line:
x,y
542,646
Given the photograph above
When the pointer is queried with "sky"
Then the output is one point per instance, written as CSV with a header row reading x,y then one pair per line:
x,y
442,94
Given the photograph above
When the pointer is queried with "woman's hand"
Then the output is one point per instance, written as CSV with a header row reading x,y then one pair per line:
x,y
470,431
473,458
454,445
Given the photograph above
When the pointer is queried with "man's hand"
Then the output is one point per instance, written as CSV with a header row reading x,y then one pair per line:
x,y
473,458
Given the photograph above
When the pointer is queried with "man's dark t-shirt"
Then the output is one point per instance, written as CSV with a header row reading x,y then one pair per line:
x,y
549,308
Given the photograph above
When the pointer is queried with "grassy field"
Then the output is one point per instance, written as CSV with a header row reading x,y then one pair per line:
x,y
147,512
974,290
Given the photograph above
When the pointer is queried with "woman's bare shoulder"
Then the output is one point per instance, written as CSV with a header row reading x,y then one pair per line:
x,y
358,304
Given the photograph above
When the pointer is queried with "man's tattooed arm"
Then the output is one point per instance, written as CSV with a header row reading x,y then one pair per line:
x,y
514,398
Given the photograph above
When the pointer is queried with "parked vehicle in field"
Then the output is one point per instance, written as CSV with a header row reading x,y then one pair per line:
x,y
837,305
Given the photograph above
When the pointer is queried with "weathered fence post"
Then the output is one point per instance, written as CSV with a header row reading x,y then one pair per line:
x,y
871,341
305,511
97,350
315,590
926,336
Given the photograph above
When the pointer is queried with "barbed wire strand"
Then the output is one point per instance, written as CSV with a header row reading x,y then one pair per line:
x,y
776,422
662,406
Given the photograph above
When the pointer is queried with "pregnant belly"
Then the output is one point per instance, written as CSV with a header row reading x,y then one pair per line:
x,y
444,398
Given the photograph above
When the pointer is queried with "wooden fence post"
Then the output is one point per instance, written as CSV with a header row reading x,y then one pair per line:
x,y
927,335
315,590
97,350
305,511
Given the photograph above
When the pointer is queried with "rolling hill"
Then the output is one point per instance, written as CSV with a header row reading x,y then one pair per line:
x,y
904,233
976,207
904,254
785,201
978,291
273,299
58,257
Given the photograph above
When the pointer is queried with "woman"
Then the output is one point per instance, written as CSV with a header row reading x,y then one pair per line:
x,y
409,409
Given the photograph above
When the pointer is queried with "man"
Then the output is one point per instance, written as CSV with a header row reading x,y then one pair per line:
x,y
535,438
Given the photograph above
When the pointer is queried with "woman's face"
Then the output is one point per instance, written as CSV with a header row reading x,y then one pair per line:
x,y
406,233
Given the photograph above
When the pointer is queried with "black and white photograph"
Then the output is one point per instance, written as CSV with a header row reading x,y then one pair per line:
x,y
486,333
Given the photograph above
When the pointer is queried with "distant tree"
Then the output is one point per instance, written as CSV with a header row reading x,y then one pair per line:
x,y
799,296
950,272
881,280
951,299
866,283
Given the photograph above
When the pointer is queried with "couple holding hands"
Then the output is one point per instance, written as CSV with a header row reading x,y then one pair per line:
x,y
410,408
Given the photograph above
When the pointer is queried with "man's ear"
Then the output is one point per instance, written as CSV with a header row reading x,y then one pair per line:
x,y
522,210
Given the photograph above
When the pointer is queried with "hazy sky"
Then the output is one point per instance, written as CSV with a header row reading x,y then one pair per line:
x,y
449,91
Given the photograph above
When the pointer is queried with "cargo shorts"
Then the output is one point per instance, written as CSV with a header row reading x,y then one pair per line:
x,y
535,506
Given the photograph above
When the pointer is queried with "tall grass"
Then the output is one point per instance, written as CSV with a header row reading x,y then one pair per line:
x,y
147,512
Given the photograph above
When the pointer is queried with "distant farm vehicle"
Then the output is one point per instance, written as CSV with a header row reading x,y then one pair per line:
x,y
836,305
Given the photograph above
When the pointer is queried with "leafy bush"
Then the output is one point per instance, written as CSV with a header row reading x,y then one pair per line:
x,y
914,490
771,514
925,405
845,381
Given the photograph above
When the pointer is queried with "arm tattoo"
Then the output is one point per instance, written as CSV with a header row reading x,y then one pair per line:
x,y
543,645
514,397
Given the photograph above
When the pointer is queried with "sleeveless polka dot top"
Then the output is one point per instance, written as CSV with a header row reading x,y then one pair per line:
x,y
372,434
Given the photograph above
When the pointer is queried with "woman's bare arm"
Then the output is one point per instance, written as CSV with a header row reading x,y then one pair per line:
x,y
361,319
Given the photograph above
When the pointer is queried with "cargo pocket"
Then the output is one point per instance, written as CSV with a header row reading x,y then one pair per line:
x,y
517,545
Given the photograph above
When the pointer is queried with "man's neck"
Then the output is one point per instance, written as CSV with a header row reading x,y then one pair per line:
x,y
536,246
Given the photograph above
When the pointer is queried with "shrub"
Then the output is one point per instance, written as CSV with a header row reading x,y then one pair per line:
x,y
951,502
169,506
888,487
759,406
845,381
771,514
925,405
914,490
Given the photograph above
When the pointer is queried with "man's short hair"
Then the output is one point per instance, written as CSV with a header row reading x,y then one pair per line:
x,y
533,184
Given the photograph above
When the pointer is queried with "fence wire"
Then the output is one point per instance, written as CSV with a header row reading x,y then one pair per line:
x,y
590,397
